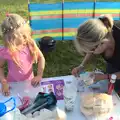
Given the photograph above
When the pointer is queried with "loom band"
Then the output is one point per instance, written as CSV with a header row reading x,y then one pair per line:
x,y
7,14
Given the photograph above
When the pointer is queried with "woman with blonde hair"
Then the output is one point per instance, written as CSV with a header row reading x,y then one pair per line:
x,y
100,36
20,52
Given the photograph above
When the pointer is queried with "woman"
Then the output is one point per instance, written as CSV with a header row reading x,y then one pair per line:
x,y
100,37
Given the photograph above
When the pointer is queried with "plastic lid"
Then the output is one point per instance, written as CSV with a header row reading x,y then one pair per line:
x,y
2,109
114,77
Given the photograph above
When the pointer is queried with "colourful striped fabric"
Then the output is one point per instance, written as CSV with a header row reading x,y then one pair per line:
x,y
46,19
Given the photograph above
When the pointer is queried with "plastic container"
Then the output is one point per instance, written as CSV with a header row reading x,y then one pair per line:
x,y
70,93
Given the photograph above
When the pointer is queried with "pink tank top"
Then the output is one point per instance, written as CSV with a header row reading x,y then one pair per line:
x,y
16,74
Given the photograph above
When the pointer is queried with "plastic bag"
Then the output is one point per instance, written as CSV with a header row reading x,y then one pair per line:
x,y
96,106
88,78
46,114
84,80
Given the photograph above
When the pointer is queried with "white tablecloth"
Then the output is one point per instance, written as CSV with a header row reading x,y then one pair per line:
x,y
25,89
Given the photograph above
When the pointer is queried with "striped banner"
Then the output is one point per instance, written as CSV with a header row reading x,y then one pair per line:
x,y
46,19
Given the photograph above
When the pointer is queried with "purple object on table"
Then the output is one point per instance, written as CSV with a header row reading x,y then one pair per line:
x,y
55,86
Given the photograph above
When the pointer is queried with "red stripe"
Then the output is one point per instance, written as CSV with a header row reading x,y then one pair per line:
x,y
69,16
114,15
54,31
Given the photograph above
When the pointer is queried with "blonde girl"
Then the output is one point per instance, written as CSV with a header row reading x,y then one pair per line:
x,y
20,52
100,36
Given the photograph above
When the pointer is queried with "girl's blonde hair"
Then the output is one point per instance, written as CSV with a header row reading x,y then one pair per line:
x,y
91,32
17,32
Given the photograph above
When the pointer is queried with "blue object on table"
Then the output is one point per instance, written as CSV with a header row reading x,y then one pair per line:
x,y
3,107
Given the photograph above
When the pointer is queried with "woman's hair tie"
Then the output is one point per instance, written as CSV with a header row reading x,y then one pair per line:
x,y
7,14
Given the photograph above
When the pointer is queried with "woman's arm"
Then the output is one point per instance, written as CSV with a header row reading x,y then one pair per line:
x,y
99,76
80,68
86,59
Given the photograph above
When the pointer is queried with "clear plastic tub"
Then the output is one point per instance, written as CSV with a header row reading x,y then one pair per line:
x,y
70,93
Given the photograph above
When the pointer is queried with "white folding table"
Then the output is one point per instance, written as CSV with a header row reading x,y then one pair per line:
x,y
25,89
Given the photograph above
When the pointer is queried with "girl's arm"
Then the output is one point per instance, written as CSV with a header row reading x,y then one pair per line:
x,y
2,77
41,64
3,81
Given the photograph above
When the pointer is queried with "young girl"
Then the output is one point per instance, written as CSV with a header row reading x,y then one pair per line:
x,y
20,52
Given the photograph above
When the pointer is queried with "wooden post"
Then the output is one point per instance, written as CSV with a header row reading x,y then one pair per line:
x,y
62,19
28,1
29,12
94,7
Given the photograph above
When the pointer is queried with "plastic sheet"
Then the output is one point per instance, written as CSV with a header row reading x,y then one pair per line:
x,y
96,106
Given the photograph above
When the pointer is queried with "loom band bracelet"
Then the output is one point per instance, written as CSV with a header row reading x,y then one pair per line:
x,y
4,82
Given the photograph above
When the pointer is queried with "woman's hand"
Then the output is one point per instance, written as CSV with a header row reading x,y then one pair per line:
x,y
5,88
36,80
77,70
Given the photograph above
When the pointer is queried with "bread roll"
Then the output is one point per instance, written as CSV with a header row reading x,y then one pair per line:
x,y
96,104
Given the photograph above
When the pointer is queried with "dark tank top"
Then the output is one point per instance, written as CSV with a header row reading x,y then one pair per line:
x,y
115,59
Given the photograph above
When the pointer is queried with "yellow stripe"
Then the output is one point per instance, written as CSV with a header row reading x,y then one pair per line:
x,y
55,12
54,35
107,10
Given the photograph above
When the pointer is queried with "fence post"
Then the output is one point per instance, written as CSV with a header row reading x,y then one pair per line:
x,y
94,7
62,19
29,13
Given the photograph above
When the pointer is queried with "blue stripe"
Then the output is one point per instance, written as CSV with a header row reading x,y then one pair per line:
x,y
57,23
116,18
74,22
44,7
55,38
74,5
78,5
108,5
69,38
46,24
60,38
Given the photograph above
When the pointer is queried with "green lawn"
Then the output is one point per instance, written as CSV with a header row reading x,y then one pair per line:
x,y
64,58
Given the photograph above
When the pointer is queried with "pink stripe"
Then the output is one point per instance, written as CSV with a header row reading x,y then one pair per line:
x,y
67,16
54,31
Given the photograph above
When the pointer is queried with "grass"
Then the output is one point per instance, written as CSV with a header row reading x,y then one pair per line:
x,y
64,57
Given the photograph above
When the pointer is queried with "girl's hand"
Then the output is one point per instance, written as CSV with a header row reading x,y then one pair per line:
x,y
5,88
77,70
36,81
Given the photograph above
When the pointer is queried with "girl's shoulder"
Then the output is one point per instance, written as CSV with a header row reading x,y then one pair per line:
x,y
4,52
3,49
